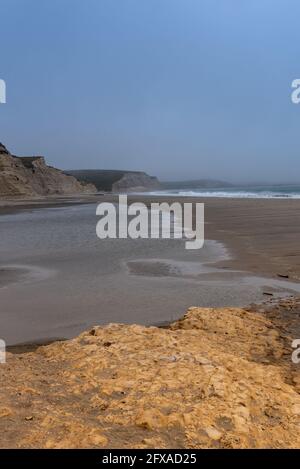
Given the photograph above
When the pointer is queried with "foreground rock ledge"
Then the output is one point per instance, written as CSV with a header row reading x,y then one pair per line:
x,y
218,378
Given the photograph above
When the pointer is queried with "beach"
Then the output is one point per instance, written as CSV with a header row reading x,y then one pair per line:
x,y
142,343
57,279
262,234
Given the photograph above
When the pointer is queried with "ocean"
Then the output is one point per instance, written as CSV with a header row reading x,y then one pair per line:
x,y
254,192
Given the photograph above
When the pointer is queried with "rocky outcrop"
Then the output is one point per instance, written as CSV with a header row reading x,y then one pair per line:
x,y
218,378
32,177
136,182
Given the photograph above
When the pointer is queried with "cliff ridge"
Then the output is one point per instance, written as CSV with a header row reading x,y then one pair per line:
x,y
32,177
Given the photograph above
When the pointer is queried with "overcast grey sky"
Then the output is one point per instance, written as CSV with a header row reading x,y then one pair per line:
x,y
178,88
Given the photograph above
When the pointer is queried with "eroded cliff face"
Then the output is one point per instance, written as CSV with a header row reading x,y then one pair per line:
x,y
136,181
32,177
118,180
218,378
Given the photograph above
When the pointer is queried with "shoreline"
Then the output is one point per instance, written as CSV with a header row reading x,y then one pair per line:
x,y
206,377
258,232
272,308
239,226
11,206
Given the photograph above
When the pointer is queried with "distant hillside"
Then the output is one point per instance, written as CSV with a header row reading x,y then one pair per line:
x,y
195,184
116,180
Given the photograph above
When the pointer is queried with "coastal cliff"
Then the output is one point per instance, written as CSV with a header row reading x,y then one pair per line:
x,y
117,180
32,177
137,182
217,378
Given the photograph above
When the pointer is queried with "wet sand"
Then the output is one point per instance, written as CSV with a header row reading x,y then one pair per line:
x,y
11,275
263,235
57,278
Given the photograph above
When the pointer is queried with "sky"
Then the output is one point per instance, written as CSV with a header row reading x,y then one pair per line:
x,y
182,89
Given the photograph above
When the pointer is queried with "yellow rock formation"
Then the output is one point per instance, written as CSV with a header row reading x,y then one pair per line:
x,y
218,378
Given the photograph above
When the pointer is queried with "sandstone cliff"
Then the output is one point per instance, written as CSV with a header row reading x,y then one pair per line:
x,y
218,378
32,177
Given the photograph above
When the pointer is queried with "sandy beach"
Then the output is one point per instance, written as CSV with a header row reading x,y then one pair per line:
x,y
59,282
263,234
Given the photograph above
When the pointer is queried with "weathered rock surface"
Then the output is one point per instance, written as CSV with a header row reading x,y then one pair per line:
x,y
32,177
218,378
